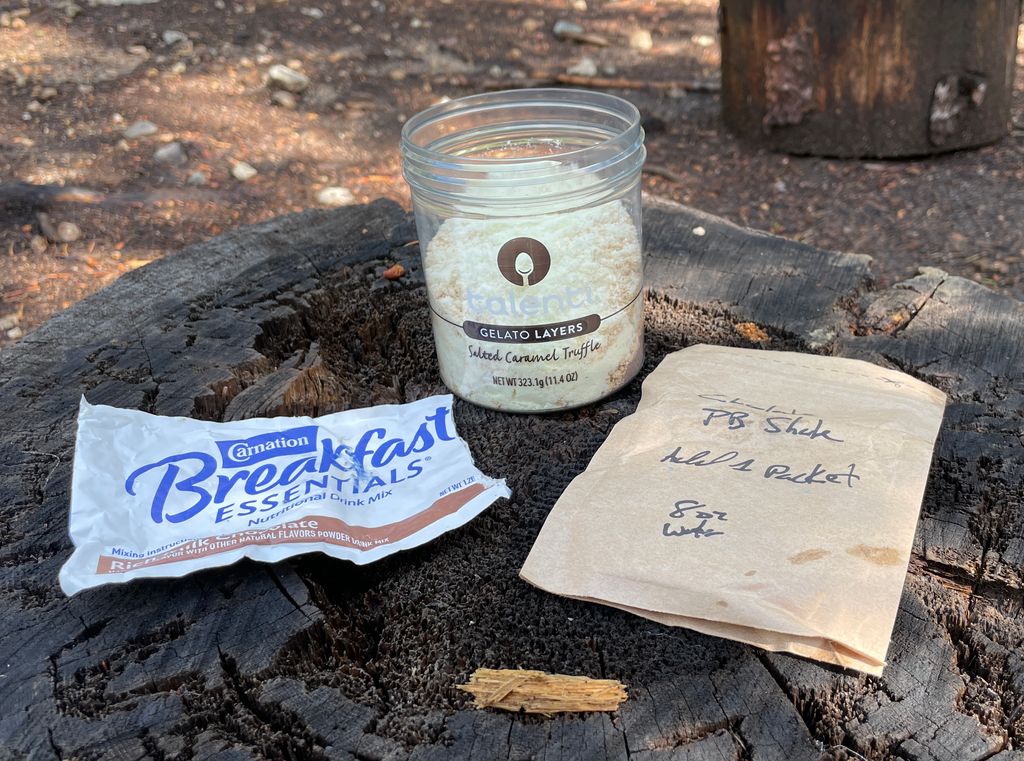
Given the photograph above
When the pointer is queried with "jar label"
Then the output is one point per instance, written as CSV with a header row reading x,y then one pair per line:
x,y
541,321
530,334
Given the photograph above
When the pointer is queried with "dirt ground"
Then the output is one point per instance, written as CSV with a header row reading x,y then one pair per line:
x,y
74,77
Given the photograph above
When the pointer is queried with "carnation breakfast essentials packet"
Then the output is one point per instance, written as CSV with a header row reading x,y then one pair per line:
x,y
161,496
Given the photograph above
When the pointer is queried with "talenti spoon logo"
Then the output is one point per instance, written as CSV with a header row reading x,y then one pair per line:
x,y
524,261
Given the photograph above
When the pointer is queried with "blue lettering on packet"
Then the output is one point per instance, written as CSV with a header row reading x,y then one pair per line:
x,y
243,452
190,482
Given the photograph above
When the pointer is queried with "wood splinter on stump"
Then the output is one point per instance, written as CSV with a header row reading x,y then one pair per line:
x,y
538,692
868,77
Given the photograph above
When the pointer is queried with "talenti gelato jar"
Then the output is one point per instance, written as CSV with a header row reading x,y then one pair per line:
x,y
527,204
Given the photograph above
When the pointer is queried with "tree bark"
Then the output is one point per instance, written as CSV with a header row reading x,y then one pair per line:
x,y
868,77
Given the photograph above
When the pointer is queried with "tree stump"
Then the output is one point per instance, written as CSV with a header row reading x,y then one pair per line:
x,y
868,77
315,659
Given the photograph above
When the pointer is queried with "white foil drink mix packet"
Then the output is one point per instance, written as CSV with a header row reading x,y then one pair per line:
x,y
158,496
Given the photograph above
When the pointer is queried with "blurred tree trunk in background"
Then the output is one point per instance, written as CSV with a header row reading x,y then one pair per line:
x,y
868,77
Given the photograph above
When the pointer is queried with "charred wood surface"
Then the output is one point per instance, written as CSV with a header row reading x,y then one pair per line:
x,y
317,659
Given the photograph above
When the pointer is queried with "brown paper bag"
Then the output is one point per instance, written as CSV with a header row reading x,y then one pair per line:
x,y
766,497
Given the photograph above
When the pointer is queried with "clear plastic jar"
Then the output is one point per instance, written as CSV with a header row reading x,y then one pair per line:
x,y
527,205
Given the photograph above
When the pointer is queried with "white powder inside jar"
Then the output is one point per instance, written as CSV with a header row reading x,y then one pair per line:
x,y
596,269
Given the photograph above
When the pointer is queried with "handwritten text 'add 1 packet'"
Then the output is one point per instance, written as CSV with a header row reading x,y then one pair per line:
x,y
161,496
765,497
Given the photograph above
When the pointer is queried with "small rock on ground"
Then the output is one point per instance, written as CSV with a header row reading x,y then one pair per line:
x,y
566,29
586,67
197,179
68,232
284,99
173,37
46,226
140,129
335,196
243,171
287,78
640,39
172,153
